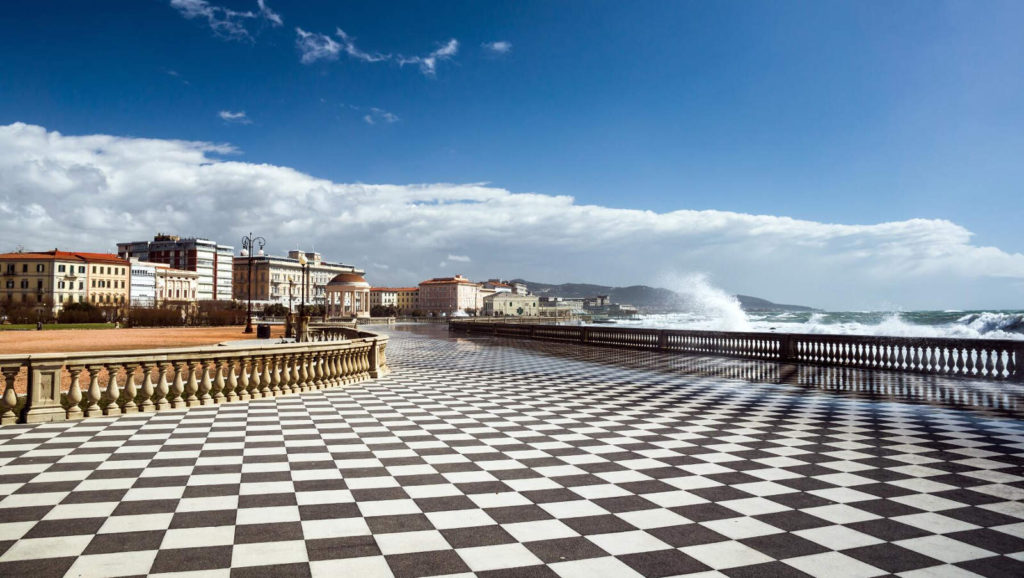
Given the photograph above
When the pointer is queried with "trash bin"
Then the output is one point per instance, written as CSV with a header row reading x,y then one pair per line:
x,y
39,325
263,331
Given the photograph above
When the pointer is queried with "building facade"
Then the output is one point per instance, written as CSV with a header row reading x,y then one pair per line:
x,y
383,297
511,305
213,262
56,278
176,287
142,286
448,295
280,279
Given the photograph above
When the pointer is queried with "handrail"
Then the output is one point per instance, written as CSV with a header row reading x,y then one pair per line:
x,y
143,381
1000,359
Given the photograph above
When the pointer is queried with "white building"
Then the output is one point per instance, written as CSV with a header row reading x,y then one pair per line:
x,y
211,261
142,289
280,279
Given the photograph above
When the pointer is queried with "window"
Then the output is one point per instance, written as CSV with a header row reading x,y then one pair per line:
x,y
24,268
40,268
81,285
60,284
39,284
61,268
24,283
10,283
81,268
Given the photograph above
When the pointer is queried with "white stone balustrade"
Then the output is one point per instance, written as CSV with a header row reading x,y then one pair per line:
x,y
112,383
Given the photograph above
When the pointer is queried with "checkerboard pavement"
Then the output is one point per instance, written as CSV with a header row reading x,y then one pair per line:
x,y
476,458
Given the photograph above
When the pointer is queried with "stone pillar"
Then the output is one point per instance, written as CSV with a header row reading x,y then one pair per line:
x,y
43,402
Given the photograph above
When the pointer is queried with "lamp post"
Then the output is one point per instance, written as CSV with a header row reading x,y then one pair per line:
x,y
249,243
305,272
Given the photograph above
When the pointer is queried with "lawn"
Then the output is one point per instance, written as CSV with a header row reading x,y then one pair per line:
x,y
52,326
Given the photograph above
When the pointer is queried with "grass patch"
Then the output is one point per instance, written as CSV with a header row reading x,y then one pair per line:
x,y
53,326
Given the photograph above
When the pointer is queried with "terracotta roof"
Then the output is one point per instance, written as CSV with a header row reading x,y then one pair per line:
x,y
348,279
448,281
397,289
66,256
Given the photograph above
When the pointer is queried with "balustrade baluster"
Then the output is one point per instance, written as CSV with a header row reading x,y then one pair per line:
x,y
163,387
192,385
989,366
254,378
93,395
265,378
9,401
205,384
231,389
113,392
336,372
217,387
245,386
275,375
130,389
303,371
147,390
178,386
74,410
320,359
999,364
289,383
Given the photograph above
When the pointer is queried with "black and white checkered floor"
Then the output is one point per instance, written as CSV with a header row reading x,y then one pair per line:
x,y
477,458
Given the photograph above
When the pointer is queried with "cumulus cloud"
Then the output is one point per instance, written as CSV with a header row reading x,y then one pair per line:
x,y
498,47
227,23
90,192
428,63
459,258
235,117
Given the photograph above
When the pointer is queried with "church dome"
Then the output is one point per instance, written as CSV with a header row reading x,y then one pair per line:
x,y
348,280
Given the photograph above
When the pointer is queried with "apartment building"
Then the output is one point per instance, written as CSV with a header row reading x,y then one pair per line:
x,y
212,261
154,284
55,278
403,299
280,280
448,295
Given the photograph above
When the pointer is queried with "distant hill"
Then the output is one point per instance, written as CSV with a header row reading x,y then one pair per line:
x,y
644,297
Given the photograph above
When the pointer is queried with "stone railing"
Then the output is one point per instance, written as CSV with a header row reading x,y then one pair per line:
x,y
62,386
976,358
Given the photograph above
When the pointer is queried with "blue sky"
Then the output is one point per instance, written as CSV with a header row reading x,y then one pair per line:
x,y
847,113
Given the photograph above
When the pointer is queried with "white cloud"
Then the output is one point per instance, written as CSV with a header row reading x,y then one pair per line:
x,y
428,63
351,50
498,47
315,46
235,117
89,192
227,23
380,115
459,258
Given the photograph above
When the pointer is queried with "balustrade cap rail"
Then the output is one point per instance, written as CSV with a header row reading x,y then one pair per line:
x,y
769,335
178,352
974,358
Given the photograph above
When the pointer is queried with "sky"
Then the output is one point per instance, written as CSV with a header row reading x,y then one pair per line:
x,y
843,155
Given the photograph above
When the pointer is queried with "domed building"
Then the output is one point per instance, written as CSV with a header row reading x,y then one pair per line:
x,y
348,295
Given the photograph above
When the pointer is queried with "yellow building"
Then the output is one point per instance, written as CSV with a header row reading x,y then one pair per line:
x,y
52,279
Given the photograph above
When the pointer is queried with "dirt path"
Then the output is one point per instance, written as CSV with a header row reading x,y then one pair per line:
x,y
21,342
13,342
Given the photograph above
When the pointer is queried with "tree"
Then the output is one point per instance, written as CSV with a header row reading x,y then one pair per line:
x,y
383,311
275,310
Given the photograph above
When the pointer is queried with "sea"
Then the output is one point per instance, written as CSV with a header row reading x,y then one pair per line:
x,y
1002,324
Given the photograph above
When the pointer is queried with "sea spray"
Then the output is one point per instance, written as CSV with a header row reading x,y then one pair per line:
x,y
707,305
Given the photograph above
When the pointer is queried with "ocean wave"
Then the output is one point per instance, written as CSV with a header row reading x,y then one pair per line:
x,y
976,325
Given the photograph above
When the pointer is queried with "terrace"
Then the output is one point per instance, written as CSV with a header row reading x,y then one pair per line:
x,y
499,457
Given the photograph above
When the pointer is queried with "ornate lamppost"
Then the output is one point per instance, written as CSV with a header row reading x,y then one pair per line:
x,y
249,243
